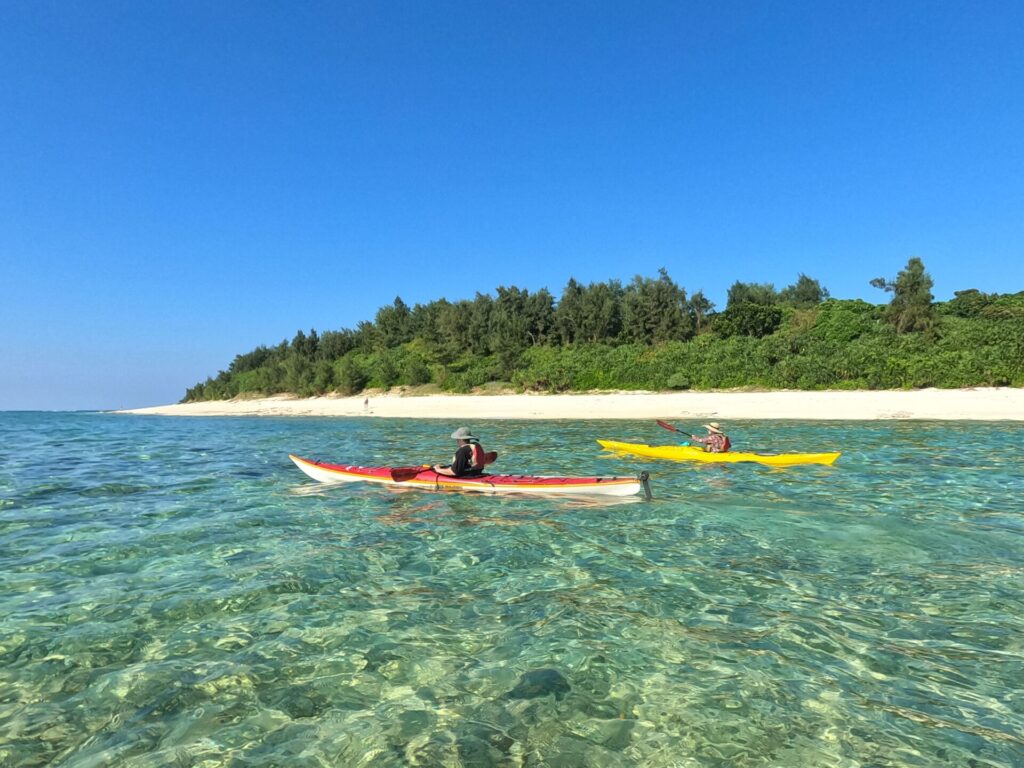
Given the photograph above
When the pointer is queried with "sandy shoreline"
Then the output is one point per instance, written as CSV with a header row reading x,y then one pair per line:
x,y
976,404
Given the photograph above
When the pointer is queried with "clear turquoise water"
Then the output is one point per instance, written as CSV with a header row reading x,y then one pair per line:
x,y
175,593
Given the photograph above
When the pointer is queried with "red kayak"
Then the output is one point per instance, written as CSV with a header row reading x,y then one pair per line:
x,y
427,479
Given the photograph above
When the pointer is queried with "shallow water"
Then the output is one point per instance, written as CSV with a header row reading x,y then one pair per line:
x,y
176,592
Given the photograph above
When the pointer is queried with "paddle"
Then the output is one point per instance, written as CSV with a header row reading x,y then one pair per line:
x,y
401,474
670,428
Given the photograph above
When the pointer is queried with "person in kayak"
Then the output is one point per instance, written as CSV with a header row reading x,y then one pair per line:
x,y
716,441
468,459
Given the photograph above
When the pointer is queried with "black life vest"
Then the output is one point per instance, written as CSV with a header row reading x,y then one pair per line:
x,y
469,460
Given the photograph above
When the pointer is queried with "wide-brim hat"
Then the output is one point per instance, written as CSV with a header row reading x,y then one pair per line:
x,y
463,433
713,427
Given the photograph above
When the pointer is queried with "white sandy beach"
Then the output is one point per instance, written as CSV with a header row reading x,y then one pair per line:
x,y
976,404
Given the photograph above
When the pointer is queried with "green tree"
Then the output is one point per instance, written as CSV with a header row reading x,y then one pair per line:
x,y
335,344
250,361
804,293
478,324
654,311
601,312
969,303
453,330
298,376
423,321
304,345
911,306
414,370
748,319
519,320
589,314
323,377
569,313
751,293
508,326
394,324
383,368
349,375
365,336
539,310
640,337
699,307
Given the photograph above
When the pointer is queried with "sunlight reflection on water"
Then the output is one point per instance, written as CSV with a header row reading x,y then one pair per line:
x,y
175,592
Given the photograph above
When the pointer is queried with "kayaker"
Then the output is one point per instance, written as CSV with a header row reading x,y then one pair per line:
x,y
469,456
716,441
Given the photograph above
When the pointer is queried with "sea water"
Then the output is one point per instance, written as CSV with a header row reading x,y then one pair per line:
x,y
176,593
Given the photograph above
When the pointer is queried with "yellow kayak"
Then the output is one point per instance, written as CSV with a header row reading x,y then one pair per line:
x,y
691,453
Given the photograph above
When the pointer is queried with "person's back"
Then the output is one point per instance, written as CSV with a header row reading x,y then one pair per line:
x,y
468,460
469,457
716,441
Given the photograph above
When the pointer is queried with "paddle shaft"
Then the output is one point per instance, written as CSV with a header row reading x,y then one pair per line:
x,y
401,474
671,428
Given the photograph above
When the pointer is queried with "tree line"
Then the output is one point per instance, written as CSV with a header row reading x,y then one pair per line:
x,y
650,334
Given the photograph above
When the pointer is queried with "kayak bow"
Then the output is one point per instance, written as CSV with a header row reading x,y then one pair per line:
x,y
426,478
690,453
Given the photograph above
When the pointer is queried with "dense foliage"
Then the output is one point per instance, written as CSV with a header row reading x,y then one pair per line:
x,y
650,335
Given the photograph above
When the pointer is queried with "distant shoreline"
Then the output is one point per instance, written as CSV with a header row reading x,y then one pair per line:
x,y
973,404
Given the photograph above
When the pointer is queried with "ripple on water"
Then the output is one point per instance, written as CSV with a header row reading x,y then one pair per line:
x,y
175,594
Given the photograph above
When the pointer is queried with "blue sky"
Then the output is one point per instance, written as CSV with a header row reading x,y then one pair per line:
x,y
180,182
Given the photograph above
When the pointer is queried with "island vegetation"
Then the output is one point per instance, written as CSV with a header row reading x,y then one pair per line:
x,y
650,334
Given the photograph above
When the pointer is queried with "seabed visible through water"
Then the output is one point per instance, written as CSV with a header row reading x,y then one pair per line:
x,y
176,592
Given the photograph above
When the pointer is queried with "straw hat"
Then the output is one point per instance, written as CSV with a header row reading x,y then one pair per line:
x,y
463,433
713,427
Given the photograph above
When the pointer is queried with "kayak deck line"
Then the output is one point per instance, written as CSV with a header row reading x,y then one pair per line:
x,y
691,453
426,478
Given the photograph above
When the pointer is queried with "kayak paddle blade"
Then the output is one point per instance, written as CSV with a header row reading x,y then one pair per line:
x,y
401,474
